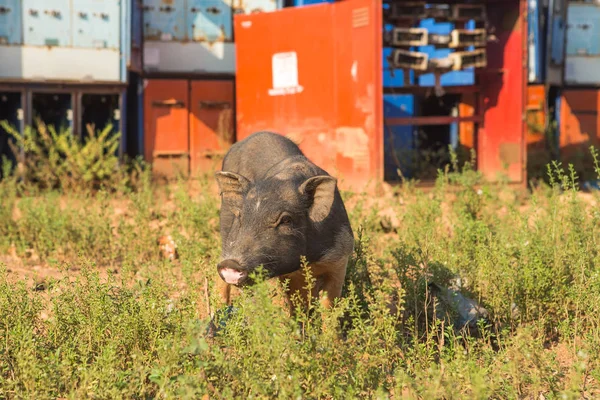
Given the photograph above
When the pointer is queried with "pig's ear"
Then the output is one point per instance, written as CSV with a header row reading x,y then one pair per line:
x,y
231,182
321,190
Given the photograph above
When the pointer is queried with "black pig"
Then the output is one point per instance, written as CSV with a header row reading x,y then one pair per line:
x,y
276,206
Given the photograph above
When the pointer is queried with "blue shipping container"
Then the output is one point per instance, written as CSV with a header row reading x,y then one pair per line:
x,y
582,64
194,36
66,40
11,30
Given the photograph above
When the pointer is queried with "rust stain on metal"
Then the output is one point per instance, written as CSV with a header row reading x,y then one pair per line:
x,y
353,143
510,153
225,128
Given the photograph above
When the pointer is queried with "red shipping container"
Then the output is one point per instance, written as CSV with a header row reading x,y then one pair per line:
x,y
315,74
320,85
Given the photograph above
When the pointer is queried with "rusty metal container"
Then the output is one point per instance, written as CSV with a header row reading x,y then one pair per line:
x,y
212,129
166,126
194,36
320,87
188,124
324,89
37,36
579,126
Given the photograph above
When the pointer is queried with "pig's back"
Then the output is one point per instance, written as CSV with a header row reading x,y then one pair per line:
x,y
254,156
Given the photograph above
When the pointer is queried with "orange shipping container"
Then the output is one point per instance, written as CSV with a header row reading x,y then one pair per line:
x,y
211,123
579,126
188,125
166,129
322,86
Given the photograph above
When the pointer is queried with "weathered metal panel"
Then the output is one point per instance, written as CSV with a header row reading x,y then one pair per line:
x,y
40,63
96,24
189,57
47,23
579,122
209,21
164,20
166,126
70,41
583,44
501,141
11,28
320,87
212,129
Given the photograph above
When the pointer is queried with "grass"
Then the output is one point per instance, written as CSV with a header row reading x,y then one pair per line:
x,y
90,309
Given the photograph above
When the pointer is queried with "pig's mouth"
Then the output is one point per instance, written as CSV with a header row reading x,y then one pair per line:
x,y
232,272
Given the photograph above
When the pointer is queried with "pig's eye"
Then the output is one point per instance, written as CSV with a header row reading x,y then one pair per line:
x,y
285,220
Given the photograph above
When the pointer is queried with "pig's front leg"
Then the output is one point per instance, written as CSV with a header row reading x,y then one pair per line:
x,y
332,277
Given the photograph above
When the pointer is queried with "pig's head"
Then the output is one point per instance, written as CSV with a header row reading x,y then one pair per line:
x,y
267,223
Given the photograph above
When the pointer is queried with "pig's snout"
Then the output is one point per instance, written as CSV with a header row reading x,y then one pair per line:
x,y
232,272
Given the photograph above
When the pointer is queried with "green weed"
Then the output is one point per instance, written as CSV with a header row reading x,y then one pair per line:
x,y
114,319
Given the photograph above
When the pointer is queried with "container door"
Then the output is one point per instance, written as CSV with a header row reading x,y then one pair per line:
x,y
211,124
166,126
579,126
96,24
583,47
209,20
10,22
164,20
47,22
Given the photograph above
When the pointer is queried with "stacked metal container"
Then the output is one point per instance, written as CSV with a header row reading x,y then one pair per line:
x,y
564,79
578,100
419,40
67,62
189,75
